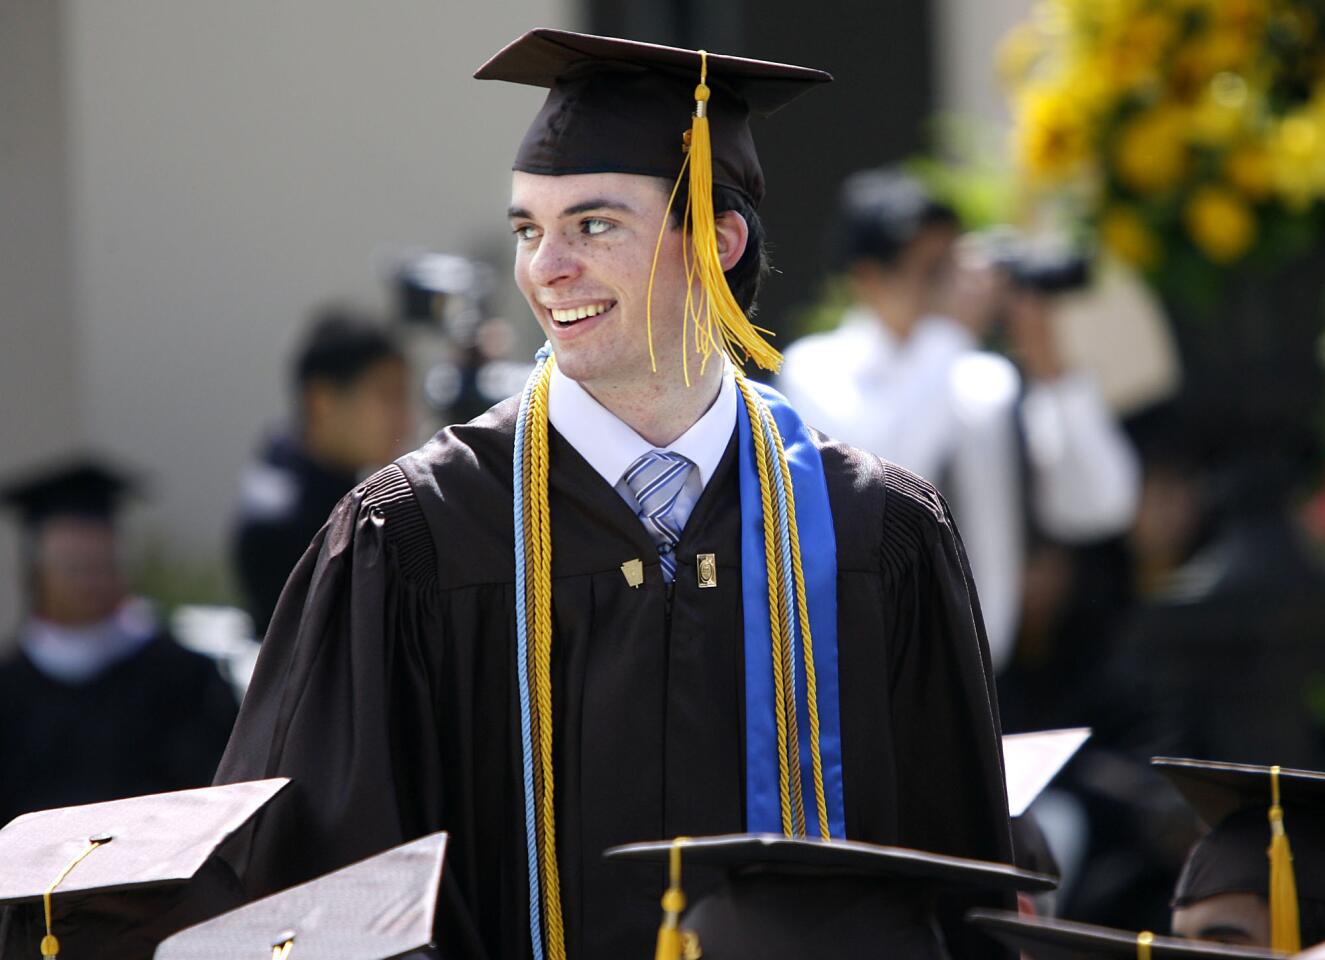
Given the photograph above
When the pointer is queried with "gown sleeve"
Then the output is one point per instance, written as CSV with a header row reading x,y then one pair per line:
x,y
952,793
342,699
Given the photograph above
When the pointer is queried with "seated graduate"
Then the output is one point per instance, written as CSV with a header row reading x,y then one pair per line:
x,y
1258,877
98,701
640,600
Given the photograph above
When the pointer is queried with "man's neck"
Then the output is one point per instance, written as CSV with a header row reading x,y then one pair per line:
x,y
660,407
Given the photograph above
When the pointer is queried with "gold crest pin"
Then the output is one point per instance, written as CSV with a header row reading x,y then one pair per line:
x,y
633,571
706,564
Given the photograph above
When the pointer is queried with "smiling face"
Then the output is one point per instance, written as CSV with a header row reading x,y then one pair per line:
x,y
584,248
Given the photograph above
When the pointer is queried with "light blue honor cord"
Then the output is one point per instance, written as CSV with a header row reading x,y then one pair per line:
x,y
522,661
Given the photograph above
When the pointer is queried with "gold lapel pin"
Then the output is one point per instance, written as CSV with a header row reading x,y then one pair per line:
x,y
707,566
633,570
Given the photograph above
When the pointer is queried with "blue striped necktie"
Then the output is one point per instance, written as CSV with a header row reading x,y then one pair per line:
x,y
656,480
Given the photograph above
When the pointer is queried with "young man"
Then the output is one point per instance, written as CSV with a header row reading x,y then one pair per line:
x,y
351,415
548,630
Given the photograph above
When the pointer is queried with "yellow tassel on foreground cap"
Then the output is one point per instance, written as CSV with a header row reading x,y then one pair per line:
x,y
1143,941
1285,929
719,322
673,942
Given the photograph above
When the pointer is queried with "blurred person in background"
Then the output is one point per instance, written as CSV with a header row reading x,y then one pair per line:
x,y
903,377
98,701
351,386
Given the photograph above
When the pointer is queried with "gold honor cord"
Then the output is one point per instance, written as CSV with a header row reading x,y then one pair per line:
x,y
50,945
1143,941
538,559
281,951
767,461
1285,927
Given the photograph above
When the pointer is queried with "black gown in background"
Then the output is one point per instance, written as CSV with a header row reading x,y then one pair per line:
x,y
155,721
386,689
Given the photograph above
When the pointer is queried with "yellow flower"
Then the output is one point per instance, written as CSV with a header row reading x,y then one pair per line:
x,y
1134,53
1297,158
1248,168
1220,223
1052,135
1123,232
1223,110
1151,153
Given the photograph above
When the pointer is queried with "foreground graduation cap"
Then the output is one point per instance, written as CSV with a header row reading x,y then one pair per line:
x,y
1251,810
1042,938
85,486
378,909
800,898
114,872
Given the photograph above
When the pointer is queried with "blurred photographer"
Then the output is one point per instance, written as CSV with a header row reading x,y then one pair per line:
x,y
904,376
351,415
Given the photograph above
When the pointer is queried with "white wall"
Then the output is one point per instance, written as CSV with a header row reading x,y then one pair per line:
x,y
967,36
227,166
39,387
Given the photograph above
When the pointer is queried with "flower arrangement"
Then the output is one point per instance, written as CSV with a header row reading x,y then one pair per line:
x,y
1188,134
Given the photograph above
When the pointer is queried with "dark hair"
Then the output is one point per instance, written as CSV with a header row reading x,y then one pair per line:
x,y
747,275
879,213
341,344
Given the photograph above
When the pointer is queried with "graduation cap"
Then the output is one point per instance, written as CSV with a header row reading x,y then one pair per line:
x,y
620,106
1250,810
1030,763
81,487
1043,938
376,909
788,897
74,873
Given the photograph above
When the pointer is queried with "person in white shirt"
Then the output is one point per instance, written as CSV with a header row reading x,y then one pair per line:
x,y
904,377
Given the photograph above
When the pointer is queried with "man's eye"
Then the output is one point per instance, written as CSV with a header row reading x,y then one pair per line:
x,y
525,231
594,226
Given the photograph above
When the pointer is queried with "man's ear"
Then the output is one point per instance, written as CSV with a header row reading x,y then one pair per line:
x,y
733,234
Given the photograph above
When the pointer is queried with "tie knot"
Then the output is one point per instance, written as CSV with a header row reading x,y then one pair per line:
x,y
656,478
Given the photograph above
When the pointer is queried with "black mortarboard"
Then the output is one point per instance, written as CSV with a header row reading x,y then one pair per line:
x,y
84,487
376,909
1043,938
620,106
801,897
1246,851
115,873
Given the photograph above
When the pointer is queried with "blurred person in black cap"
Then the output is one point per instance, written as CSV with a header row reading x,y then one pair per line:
x,y
1258,877
351,415
903,376
98,701
575,622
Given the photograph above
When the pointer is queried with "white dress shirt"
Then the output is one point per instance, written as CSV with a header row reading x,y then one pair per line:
x,y
610,446
935,404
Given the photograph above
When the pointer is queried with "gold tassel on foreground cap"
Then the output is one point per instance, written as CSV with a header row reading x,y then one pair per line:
x,y
1143,941
673,942
1285,930
719,321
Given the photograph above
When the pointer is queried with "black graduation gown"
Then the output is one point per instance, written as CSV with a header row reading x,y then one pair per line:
x,y
157,720
386,688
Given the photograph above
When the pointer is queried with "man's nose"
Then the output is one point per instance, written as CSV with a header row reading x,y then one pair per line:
x,y
555,261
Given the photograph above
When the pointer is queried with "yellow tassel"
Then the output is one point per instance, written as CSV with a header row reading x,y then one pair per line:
x,y
719,321
1143,941
671,938
1285,929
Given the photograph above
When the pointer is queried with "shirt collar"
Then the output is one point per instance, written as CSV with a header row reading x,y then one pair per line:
x,y
610,446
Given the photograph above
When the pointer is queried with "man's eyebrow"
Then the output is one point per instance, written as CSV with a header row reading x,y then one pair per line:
x,y
1216,930
597,203
585,206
